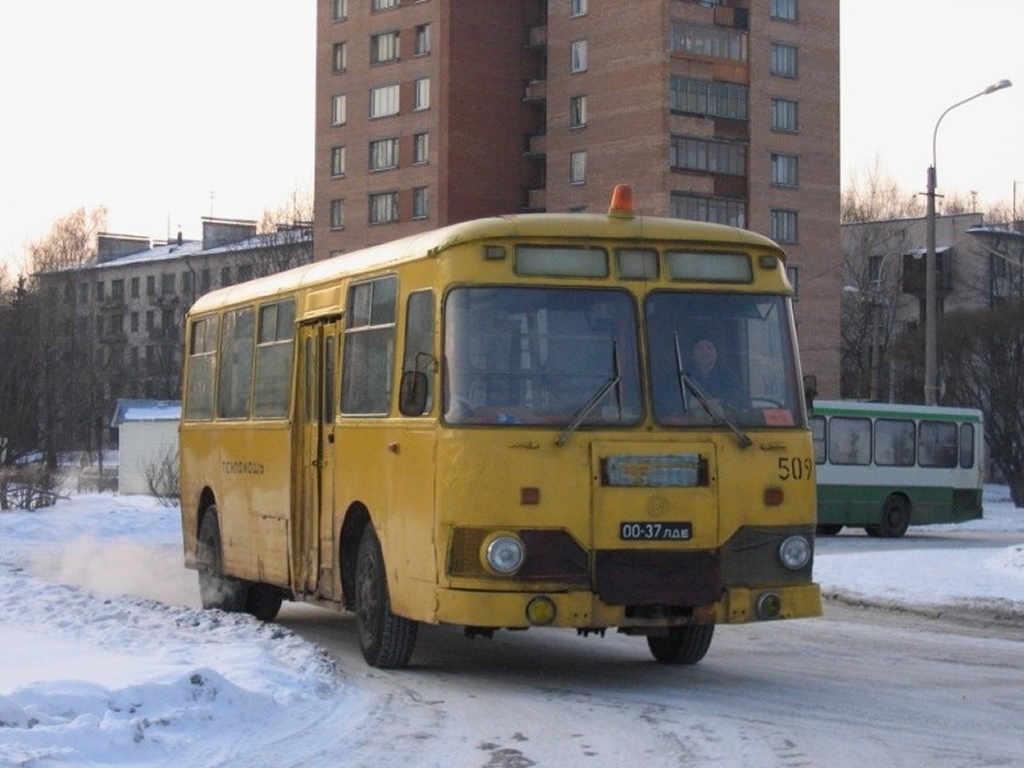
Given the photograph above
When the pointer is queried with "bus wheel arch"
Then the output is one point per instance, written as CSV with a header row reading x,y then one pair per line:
x,y
386,640
216,589
356,519
894,517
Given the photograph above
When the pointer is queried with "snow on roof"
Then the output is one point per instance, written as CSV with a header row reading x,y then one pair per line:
x,y
146,410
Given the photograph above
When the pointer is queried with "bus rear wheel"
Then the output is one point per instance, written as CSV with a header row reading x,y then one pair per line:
x,y
385,639
894,521
682,645
215,589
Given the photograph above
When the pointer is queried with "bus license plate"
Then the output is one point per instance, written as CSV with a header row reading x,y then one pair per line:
x,y
655,531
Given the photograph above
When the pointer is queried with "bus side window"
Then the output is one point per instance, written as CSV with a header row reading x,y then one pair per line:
x,y
937,444
966,446
849,440
236,353
895,442
369,347
419,345
818,436
202,367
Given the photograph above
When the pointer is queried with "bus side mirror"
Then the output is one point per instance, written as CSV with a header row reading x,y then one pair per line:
x,y
810,390
412,393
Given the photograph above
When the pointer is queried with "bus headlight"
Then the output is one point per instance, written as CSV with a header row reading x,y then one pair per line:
x,y
504,554
795,552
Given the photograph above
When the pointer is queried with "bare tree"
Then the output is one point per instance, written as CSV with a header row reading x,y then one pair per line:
x,y
299,209
983,354
70,243
872,195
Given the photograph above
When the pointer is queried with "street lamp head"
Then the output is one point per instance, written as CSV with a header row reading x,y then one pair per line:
x,y
998,86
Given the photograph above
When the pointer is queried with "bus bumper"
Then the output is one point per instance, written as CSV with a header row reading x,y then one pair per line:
x,y
585,611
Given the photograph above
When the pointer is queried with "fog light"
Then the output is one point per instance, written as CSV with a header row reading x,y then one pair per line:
x,y
769,606
795,552
505,554
540,611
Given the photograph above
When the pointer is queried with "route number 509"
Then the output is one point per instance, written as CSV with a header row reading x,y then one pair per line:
x,y
795,468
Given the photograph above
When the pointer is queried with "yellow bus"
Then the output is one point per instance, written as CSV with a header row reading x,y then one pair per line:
x,y
504,423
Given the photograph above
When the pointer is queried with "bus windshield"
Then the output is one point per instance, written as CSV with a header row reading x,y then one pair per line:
x,y
551,356
726,358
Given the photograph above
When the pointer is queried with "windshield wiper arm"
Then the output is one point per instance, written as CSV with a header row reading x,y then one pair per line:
x,y
596,398
688,384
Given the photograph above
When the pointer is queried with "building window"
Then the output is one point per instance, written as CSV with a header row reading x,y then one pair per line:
x,y
421,148
793,273
422,39
135,288
422,93
117,289
150,320
577,111
783,60
83,292
383,5
151,285
784,115
337,214
340,10
697,154
710,99
718,210
338,110
384,101
204,280
225,276
578,167
99,290
337,161
339,57
167,284
578,59
784,10
579,8
186,282
133,320
784,226
384,47
383,207
714,42
419,203
383,154
784,170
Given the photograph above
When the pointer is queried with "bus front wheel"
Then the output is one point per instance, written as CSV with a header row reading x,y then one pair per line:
x,y
894,521
682,645
385,639
215,589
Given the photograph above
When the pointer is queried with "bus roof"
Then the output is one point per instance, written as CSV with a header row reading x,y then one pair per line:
x,y
561,226
892,410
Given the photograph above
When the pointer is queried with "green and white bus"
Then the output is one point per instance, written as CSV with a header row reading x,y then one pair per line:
x,y
884,467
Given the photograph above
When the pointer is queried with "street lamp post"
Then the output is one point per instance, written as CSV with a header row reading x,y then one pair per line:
x,y
931,384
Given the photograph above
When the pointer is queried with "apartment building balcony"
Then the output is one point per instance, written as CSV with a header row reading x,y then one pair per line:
x,y
535,91
535,145
536,200
537,37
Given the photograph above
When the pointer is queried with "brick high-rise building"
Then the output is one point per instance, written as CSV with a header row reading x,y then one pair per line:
x,y
436,111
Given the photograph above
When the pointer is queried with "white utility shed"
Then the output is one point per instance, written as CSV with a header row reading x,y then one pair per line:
x,y
148,436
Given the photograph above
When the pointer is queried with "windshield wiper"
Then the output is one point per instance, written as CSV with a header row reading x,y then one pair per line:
x,y
596,398
688,384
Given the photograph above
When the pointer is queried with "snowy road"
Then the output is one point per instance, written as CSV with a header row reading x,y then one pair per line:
x,y
857,687
107,660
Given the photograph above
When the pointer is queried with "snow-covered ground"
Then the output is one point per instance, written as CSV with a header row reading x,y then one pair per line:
x,y
106,658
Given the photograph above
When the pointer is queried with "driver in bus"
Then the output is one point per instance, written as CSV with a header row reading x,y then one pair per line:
x,y
711,375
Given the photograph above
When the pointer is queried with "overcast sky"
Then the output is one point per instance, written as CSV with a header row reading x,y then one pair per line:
x,y
165,113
